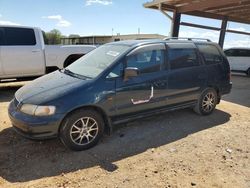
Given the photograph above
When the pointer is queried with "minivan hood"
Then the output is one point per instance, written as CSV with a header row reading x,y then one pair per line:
x,y
47,88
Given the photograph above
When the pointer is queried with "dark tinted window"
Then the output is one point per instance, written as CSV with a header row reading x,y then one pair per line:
x,y
238,53
231,52
244,53
147,61
181,58
1,36
210,53
19,36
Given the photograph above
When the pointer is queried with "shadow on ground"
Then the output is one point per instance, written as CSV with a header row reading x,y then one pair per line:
x,y
23,160
240,93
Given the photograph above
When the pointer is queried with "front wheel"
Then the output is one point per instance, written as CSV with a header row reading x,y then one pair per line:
x,y
207,102
82,130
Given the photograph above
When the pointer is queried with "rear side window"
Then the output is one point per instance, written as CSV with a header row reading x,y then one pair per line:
x,y
210,54
182,58
19,36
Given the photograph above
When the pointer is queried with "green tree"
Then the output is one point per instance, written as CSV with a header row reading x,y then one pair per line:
x,y
53,37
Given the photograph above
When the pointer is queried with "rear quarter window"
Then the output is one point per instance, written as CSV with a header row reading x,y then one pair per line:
x,y
210,54
19,36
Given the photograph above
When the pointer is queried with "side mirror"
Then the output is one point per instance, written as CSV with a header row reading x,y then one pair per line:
x,y
130,72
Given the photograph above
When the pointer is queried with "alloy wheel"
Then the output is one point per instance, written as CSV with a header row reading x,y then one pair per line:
x,y
208,102
84,131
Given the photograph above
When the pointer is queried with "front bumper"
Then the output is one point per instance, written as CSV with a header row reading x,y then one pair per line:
x,y
34,127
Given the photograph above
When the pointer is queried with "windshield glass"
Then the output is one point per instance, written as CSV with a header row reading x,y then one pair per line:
x,y
92,64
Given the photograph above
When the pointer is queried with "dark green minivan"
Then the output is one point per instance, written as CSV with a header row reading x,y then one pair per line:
x,y
120,82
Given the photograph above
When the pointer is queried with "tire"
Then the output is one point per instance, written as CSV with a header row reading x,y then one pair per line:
x,y
206,102
81,130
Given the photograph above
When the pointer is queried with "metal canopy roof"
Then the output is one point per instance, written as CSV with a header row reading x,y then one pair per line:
x,y
231,10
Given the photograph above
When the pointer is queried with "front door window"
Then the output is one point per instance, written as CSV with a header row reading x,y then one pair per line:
x,y
147,61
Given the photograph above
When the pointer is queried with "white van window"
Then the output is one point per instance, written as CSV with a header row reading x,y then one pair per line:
x,y
237,53
1,36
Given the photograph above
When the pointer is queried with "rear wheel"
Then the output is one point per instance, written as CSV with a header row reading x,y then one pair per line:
x,y
207,102
82,130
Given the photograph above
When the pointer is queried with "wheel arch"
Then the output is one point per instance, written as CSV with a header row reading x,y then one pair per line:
x,y
216,88
51,69
107,121
71,58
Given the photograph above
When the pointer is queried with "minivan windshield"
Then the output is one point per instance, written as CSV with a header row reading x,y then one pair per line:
x,y
95,62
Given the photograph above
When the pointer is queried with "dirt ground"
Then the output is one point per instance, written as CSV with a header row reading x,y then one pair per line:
x,y
176,149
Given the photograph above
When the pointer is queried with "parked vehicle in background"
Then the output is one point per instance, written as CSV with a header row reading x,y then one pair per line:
x,y
239,59
120,82
23,53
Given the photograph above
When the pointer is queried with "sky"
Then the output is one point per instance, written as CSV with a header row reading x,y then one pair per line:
x,y
104,17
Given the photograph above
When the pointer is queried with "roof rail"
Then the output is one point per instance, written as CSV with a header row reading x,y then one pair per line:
x,y
190,39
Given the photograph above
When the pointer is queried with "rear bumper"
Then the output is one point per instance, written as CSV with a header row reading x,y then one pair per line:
x,y
226,89
33,127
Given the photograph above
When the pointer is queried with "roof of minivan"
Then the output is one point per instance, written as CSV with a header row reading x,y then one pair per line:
x,y
132,43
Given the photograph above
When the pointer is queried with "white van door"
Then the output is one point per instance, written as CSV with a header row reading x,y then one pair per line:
x,y
22,54
1,43
243,63
232,58
232,62
239,59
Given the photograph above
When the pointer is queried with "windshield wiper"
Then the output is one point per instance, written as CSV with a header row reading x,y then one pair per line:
x,y
69,72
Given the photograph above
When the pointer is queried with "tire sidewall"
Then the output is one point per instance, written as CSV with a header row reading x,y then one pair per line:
x,y
64,132
204,93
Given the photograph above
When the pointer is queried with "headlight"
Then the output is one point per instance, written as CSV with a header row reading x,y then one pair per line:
x,y
38,110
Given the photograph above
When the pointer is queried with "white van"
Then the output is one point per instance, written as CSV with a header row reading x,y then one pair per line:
x,y
239,59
